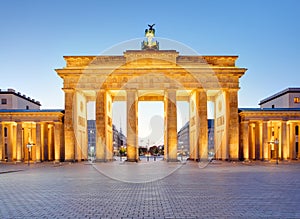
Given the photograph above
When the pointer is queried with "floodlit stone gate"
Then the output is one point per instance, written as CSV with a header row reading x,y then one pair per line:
x,y
151,75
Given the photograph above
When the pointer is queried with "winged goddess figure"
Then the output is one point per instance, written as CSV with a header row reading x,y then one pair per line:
x,y
150,33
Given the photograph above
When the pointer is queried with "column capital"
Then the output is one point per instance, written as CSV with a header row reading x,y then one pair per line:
x,y
57,122
131,90
169,91
68,90
101,90
227,89
211,98
245,121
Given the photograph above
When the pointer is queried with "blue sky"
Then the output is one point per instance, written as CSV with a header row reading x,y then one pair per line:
x,y
35,35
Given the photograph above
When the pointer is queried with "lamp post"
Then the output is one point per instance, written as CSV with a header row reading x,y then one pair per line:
x,y
29,147
181,153
276,142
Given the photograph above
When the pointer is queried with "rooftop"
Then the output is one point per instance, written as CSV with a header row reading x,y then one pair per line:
x,y
268,109
283,92
31,110
12,91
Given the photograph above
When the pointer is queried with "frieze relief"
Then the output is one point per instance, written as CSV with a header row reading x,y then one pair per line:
x,y
167,56
222,61
76,61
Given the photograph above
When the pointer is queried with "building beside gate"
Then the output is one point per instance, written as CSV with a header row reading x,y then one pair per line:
x,y
272,131
27,132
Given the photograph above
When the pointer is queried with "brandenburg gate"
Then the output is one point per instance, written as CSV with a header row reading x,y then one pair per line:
x,y
151,74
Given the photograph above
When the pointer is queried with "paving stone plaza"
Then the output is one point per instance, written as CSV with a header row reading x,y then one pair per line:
x,y
150,190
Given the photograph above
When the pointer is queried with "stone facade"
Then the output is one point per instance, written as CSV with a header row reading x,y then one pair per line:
x,y
267,134
153,75
31,135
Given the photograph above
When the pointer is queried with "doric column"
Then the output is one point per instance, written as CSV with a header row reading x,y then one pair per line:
x,y
251,142
11,142
292,141
132,125
38,142
1,142
297,142
171,125
233,125
245,137
19,141
257,141
57,141
101,125
284,145
265,150
68,126
203,125
46,142
260,140
50,142
288,131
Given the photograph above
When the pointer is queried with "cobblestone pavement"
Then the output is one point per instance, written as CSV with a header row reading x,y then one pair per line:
x,y
117,190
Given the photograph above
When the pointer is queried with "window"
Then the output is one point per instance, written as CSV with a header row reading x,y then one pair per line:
x,y
3,101
273,106
27,107
296,100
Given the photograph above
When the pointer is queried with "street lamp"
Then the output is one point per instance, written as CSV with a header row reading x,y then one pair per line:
x,y
276,142
29,145
182,153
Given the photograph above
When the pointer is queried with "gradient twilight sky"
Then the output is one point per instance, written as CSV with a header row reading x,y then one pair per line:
x,y
35,35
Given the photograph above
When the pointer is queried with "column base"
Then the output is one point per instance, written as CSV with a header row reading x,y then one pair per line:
x,y
132,160
173,160
204,160
193,159
104,160
100,160
233,160
70,160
